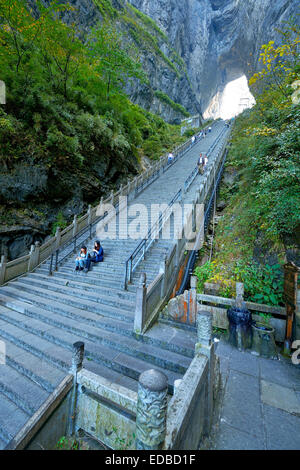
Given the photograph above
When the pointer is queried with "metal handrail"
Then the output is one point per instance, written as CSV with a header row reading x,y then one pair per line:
x,y
193,253
140,250
72,245
194,172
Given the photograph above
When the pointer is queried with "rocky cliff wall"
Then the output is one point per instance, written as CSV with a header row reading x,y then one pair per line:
x,y
165,69
219,40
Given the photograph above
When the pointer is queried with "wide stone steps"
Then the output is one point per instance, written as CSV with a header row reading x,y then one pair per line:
x,y
82,283
101,350
90,279
34,286
41,316
82,288
125,344
55,302
12,419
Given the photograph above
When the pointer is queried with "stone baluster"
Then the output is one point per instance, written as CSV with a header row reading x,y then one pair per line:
x,y
57,238
239,297
112,198
2,269
75,225
151,414
204,331
140,307
34,256
193,291
89,214
163,270
177,385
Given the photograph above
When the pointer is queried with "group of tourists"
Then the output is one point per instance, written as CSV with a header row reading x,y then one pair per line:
x,y
195,138
202,162
84,259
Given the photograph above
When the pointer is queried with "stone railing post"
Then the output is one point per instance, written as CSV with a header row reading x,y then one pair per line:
x,y
57,238
112,198
163,270
2,269
177,385
31,259
89,214
204,332
141,305
193,292
34,256
151,413
89,220
239,297
75,226
205,346
76,366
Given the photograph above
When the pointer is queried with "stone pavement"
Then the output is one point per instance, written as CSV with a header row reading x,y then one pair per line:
x,y
259,403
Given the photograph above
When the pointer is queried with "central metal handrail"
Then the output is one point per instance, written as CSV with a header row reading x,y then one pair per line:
x,y
139,252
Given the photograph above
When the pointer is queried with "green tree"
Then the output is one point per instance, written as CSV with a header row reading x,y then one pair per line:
x,y
114,59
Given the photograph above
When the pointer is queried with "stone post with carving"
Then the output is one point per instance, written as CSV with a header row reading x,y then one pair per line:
x,y
151,414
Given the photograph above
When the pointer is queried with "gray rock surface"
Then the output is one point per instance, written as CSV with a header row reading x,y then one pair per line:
x,y
219,40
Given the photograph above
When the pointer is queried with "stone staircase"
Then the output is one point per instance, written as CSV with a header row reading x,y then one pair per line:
x,y
41,316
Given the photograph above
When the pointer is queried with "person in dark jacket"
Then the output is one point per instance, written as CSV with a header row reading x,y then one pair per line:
x,y
97,255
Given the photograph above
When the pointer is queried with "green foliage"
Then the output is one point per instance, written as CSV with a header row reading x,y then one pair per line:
x,y
115,60
148,22
106,9
122,443
263,283
266,144
265,318
60,222
176,106
66,107
203,273
67,444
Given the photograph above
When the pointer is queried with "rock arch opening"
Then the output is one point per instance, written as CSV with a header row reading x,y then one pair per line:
x,y
231,101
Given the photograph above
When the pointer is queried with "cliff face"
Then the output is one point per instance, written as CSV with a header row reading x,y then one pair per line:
x,y
218,40
205,45
165,69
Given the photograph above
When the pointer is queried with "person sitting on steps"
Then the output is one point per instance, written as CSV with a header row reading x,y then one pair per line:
x,y
97,256
80,262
